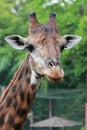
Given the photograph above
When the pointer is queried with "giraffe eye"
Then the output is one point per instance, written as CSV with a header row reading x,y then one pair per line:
x,y
30,48
62,48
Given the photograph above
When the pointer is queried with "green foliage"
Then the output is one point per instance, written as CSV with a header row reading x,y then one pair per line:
x,y
71,19
83,128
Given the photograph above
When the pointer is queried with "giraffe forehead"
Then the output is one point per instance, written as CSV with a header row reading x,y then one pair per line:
x,y
45,34
43,38
43,29
48,28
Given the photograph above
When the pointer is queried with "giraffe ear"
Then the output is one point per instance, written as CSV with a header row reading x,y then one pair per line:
x,y
71,41
16,41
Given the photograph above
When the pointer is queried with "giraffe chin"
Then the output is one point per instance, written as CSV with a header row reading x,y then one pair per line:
x,y
54,75
54,79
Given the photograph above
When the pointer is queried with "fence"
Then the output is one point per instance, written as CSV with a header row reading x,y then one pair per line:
x,y
64,103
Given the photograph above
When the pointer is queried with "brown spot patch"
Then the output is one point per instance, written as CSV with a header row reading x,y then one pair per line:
x,y
17,126
8,101
1,107
26,71
33,86
28,80
2,117
21,74
15,103
21,112
28,99
21,92
10,119
13,88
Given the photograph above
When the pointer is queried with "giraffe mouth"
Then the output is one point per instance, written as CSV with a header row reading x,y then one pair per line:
x,y
54,74
54,79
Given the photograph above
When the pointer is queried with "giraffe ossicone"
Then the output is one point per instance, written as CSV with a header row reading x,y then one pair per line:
x,y
44,45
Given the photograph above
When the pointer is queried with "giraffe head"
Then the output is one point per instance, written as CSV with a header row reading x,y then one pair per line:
x,y
44,44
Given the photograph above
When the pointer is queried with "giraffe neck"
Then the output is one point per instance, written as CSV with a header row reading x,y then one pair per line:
x,y
18,97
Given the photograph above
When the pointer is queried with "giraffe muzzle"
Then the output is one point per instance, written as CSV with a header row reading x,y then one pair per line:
x,y
54,74
53,70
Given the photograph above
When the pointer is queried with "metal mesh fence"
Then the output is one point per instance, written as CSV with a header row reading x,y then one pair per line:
x,y
64,103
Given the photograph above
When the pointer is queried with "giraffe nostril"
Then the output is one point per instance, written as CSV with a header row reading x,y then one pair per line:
x,y
53,63
50,64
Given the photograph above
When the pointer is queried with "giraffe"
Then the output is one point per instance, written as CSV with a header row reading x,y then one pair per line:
x,y
44,45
